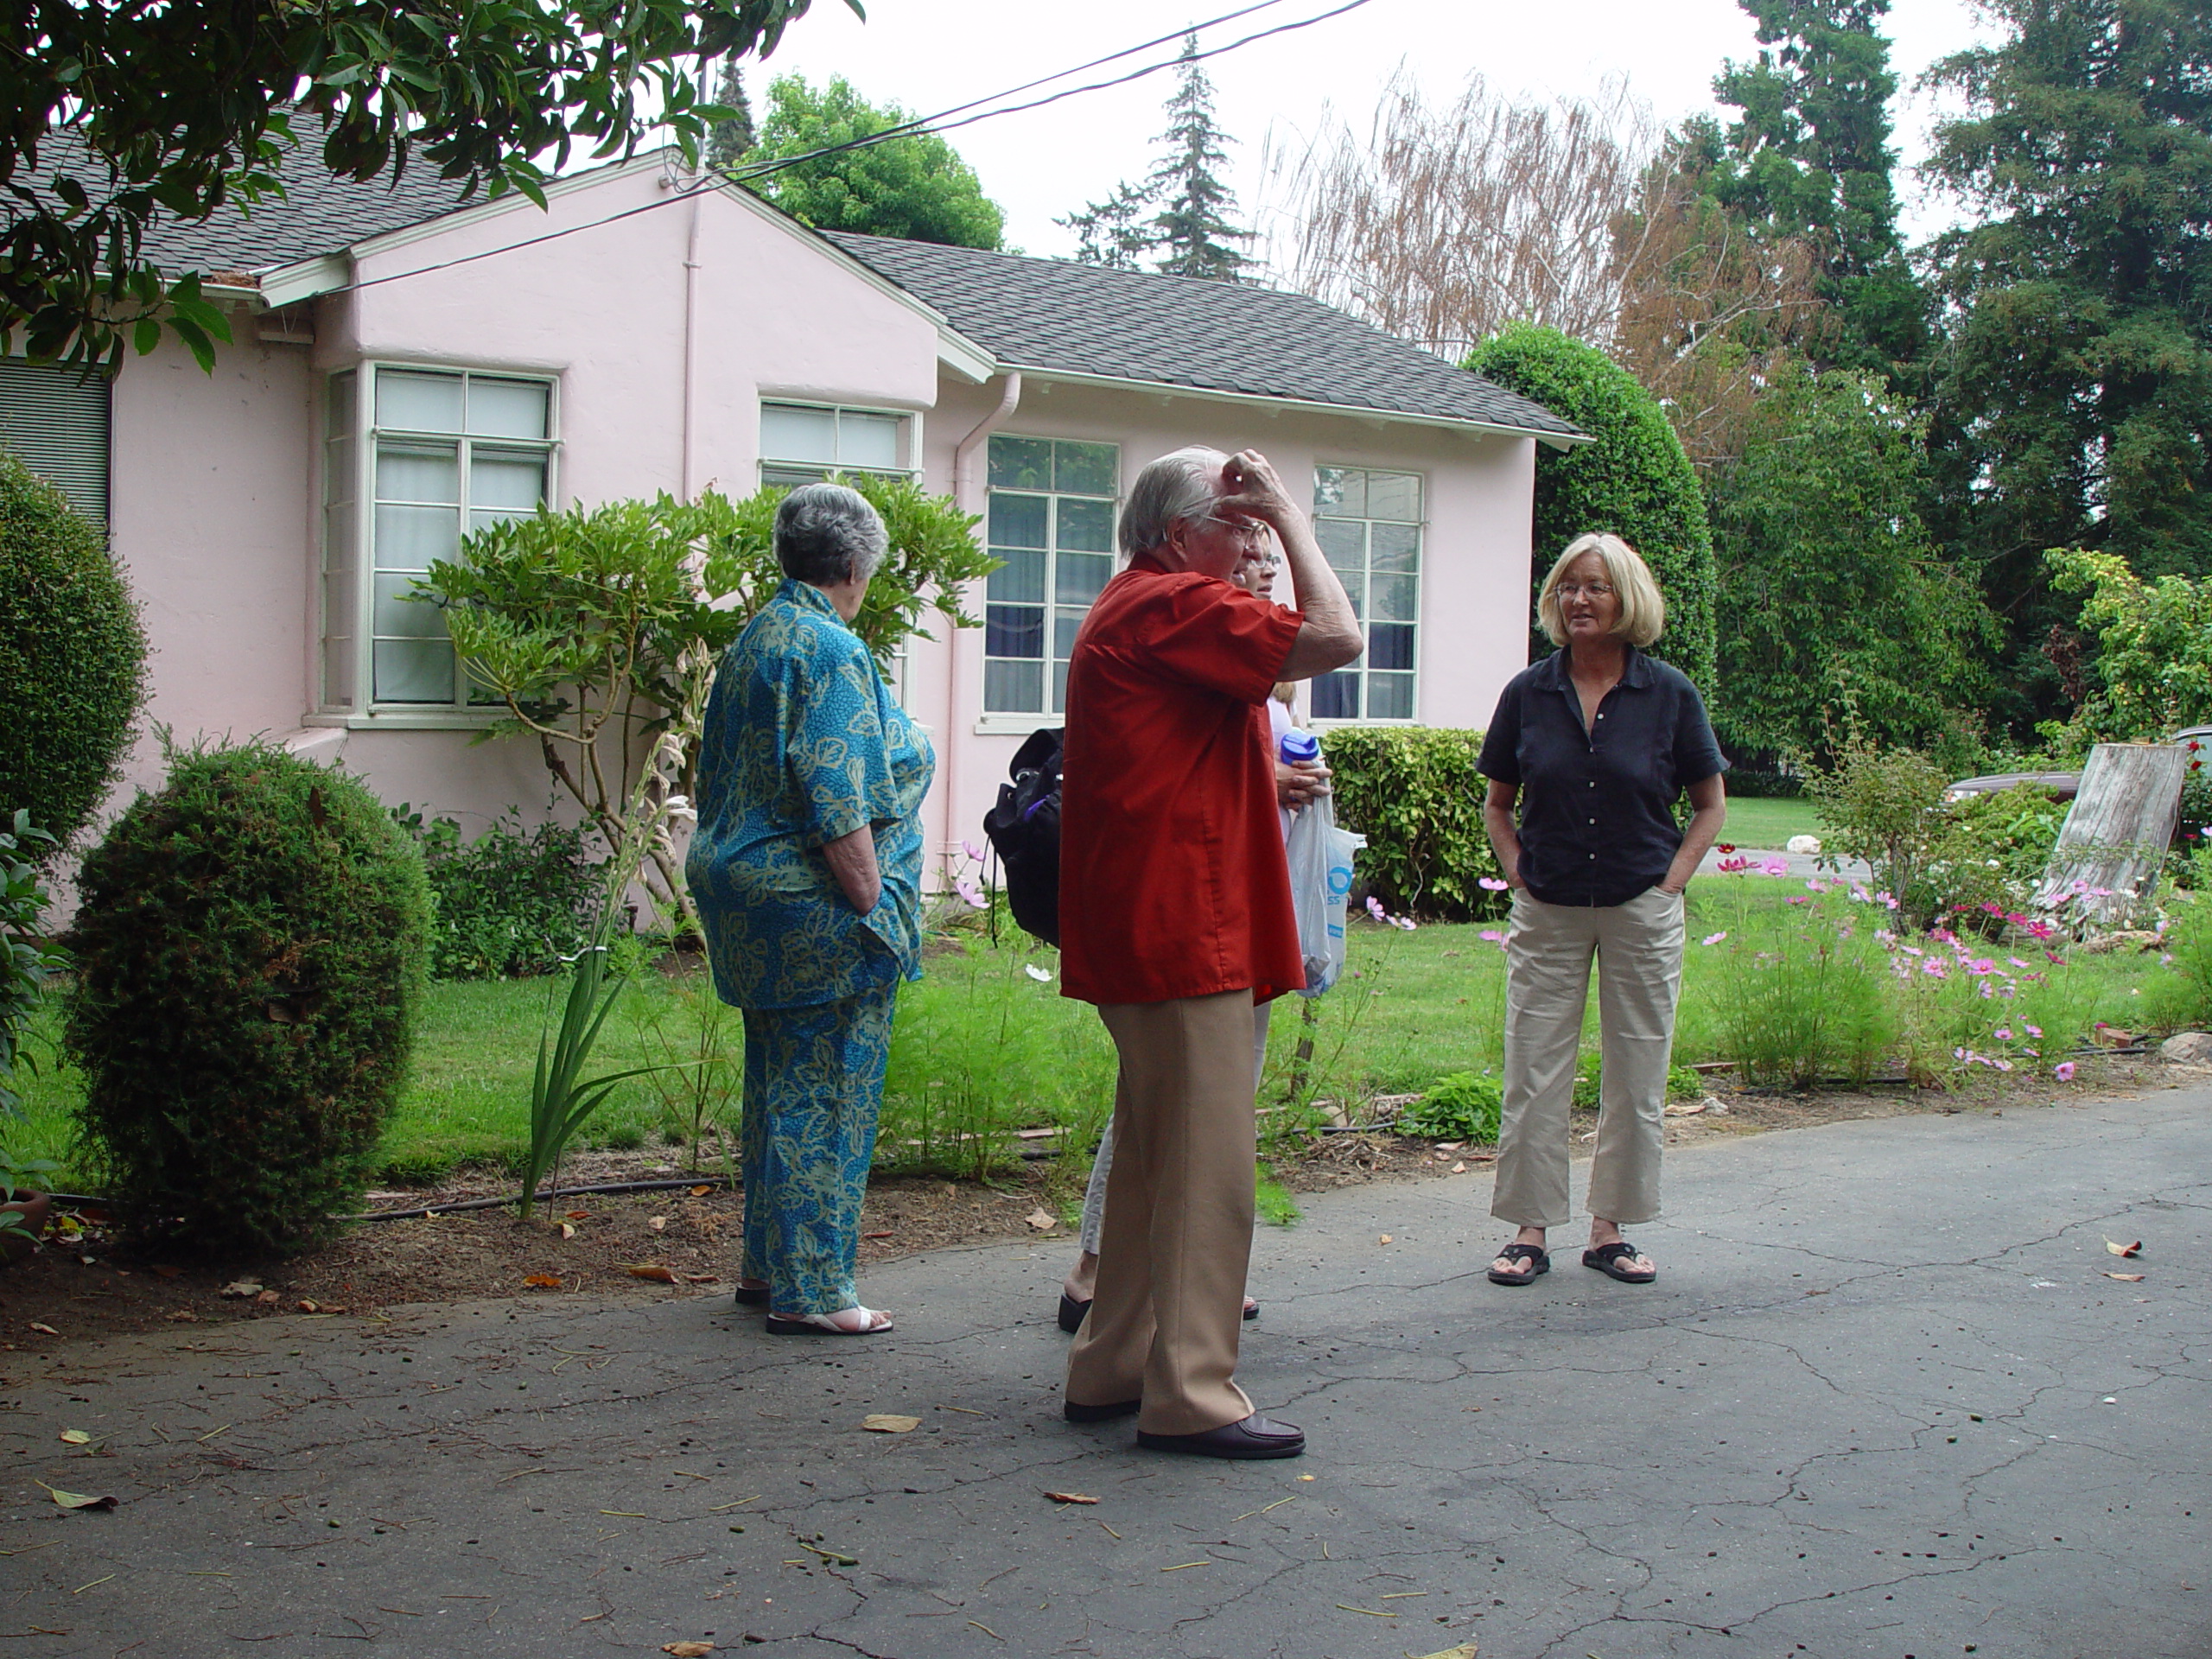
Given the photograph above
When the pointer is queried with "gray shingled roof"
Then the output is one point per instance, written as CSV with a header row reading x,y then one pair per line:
x,y
317,214
1047,314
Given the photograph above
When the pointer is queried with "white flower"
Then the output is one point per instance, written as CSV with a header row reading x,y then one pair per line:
x,y
1042,976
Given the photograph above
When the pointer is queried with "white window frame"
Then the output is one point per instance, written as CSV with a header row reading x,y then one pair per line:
x,y
910,443
1003,721
1361,591
355,451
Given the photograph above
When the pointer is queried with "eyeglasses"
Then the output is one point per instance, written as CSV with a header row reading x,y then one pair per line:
x,y
1593,589
1250,531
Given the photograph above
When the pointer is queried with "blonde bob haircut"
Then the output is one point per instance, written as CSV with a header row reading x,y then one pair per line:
x,y
1644,607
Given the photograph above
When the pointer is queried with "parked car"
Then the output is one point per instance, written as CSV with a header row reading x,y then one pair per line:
x,y
2059,785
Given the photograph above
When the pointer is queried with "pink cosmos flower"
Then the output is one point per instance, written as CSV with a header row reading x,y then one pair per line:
x,y
1775,867
1859,895
1492,884
2063,1070
1733,866
1981,966
970,894
2016,962
2002,1034
974,852
1934,969
1492,935
2032,1031
1375,909
1715,939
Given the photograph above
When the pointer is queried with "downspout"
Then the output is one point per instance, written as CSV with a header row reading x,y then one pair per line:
x,y
690,339
969,498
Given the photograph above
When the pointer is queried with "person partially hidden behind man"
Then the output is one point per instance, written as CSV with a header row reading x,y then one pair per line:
x,y
1175,917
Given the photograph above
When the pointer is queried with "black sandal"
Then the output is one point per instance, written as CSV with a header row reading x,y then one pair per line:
x,y
1607,1259
1534,1255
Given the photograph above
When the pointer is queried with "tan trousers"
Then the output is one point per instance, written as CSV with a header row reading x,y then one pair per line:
x,y
1548,949
1170,1303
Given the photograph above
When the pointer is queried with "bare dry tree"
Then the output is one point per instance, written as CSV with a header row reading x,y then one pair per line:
x,y
1706,310
1442,223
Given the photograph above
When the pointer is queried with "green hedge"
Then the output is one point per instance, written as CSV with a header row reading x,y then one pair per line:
x,y
1414,793
72,658
1634,482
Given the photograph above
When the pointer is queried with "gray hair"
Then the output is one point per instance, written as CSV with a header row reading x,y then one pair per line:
x,y
1177,487
827,534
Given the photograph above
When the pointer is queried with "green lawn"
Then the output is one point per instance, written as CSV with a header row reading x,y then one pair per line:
x,y
985,1047
1767,825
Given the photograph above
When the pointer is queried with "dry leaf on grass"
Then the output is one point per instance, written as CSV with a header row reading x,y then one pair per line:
x,y
890,1422
1043,1219
2126,1278
242,1288
309,1306
268,1299
2136,1249
1683,1109
700,1191
1069,1497
878,1235
542,1281
658,1224
75,1437
652,1270
79,1500
688,1650
567,1231
49,1329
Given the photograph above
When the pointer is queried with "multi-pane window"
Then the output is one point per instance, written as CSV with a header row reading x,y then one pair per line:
x,y
804,443
55,422
1369,524
1051,519
431,454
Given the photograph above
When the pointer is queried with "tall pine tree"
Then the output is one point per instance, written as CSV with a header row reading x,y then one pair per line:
x,y
1181,211
2074,394
729,140
1810,157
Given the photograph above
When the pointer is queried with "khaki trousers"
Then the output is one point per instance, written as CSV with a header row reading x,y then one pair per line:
x,y
1548,949
1169,1307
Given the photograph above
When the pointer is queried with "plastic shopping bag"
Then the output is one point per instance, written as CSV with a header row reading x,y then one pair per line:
x,y
1320,857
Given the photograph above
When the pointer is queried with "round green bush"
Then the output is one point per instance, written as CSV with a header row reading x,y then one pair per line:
x,y
1634,480
250,954
72,658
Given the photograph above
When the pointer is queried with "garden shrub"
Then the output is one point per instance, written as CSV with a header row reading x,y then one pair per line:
x,y
26,963
1414,793
1635,480
250,956
72,658
1464,1106
511,903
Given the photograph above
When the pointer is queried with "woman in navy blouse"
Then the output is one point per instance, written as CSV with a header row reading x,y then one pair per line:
x,y
1593,744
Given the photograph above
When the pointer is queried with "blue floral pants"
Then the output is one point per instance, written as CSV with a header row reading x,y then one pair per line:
x,y
813,1088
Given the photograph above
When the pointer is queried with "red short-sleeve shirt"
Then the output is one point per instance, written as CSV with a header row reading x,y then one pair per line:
x,y
1172,882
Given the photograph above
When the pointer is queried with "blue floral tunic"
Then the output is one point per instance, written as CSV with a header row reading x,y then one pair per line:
x,y
804,744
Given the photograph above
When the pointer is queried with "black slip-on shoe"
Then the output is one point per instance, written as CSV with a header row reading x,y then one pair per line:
x,y
1076,1413
1072,1312
751,1295
1252,1437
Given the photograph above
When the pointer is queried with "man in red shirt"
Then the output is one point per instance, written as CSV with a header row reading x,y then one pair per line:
x,y
1175,916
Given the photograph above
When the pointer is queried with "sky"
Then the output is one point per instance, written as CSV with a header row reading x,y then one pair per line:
x,y
1273,94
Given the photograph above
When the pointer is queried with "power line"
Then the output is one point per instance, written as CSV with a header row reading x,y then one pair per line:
x,y
928,125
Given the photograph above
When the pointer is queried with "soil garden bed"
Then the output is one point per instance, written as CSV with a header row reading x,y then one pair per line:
x,y
84,1288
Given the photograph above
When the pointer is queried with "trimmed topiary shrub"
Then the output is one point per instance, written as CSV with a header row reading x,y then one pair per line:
x,y
1414,793
250,953
72,658
1634,482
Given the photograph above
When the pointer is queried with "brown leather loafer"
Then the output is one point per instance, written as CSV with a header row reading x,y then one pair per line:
x,y
1252,1437
1076,1413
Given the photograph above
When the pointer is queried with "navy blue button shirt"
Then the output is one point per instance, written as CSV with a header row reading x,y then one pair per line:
x,y
1597,806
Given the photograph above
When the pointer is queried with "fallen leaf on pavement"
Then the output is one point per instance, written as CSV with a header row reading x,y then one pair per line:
x,y
703,1278
79,1500
890,1422
1069,1497
2136,1249
49,1329
1459,1168
542,1281
242,1288
2126,1278
1043,1219
268,1299
75,1437
652,1270
1464,1650
658,1224
878,1235
567,1231
1384,1239
688,1650
184,1316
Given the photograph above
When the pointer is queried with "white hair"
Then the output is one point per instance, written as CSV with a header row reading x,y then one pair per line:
x,y
1177,488
827,534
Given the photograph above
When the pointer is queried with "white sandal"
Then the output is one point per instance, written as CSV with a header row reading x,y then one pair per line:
x,y
813,1325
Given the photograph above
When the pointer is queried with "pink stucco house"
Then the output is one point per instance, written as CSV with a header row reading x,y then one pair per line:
x,y
404,368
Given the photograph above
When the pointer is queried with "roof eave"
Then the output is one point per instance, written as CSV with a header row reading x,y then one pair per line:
x,y
1041,371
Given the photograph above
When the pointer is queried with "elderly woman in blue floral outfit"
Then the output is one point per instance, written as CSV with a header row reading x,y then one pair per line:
x,y
807,867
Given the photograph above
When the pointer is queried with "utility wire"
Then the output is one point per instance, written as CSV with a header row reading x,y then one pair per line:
x,y
716,180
